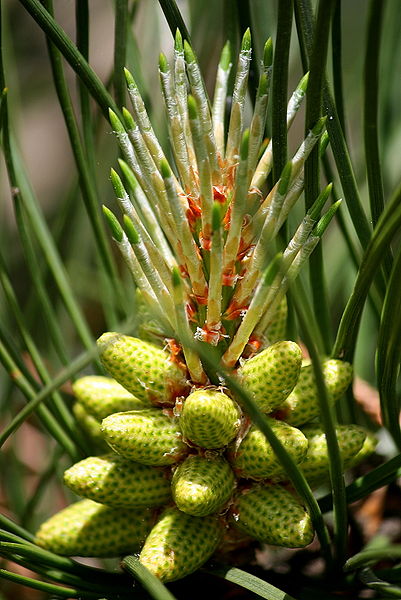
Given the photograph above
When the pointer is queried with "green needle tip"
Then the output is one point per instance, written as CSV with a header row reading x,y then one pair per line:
x,y
303,84
128,174
117,184
317,206
325,220
189,53
112,222
163,64
268,54
246,41
130,230
115,122
128,119
129,78
318,128
178,45
324,142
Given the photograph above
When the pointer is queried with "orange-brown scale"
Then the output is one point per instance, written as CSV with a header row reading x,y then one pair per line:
x,y
219,193
234,311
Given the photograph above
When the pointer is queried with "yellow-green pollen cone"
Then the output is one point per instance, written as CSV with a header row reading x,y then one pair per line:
x,y
202,485
115,481
209,418
315,467
271,375
179,544
142,368
103,396
87,528
148,436
271,514
254,457
302,405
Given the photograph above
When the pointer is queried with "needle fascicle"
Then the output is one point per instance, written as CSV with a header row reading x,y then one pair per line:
x,y
193,262
264,165
176,126
204,170
258,122
153,276
236,125
205,118
148,295
127,208
181,91
146,213
220,97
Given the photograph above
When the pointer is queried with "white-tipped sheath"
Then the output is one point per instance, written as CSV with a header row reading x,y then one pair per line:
x,y
154,254
296,99
220,97
143,122
205,118
190,251
306,147
300,238
297,253
266,161
154,182
205,177
258,124
160,289
147,215
141,281
302,256
142,118
301,235
180,84
238,102
176,127
149,168
127,148
297,164
184,330
298,241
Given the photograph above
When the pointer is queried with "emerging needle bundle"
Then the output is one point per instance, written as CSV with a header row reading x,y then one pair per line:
x,y
201,239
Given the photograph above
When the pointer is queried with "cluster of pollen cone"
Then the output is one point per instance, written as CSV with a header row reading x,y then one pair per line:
x,y
181,472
